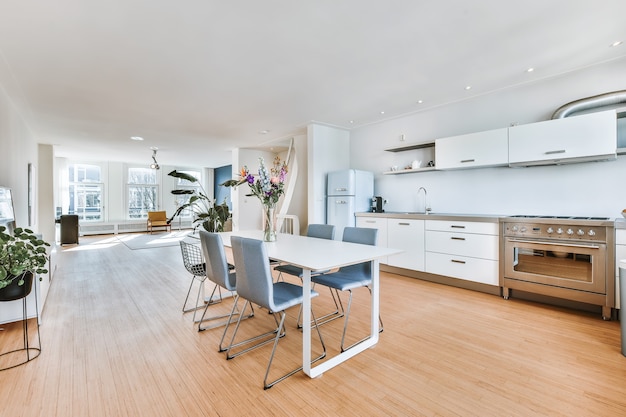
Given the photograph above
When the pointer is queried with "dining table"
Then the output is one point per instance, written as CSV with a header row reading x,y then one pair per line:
x,y
314,254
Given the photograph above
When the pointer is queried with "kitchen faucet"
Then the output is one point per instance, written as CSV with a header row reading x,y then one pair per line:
x,y
426,207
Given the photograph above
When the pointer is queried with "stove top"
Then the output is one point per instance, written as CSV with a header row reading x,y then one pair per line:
x,y
532,216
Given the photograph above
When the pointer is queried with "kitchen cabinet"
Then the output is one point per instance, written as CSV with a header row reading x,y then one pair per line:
x,y
379,223
589,137
408,235
464,250
620,254
481,149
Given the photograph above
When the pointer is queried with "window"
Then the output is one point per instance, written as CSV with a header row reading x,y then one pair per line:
x,y
143,192
183,184
85,192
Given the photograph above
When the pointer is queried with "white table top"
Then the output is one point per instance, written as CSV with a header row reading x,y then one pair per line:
x,y
312,253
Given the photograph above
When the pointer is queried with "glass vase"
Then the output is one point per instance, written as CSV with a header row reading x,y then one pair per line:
x,y
269,223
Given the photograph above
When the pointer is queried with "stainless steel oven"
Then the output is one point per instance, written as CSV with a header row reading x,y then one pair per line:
x,y
564,257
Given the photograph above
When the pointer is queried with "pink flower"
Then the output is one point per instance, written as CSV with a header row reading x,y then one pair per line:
x,y
275,180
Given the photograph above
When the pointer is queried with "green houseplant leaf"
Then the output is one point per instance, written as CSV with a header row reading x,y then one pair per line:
x,y
207,213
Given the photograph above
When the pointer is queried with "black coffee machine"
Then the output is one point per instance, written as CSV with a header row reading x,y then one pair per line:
x,y
377,204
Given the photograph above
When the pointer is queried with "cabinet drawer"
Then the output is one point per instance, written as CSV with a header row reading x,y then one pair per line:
x,y
464,244
375,223
462,227
471,269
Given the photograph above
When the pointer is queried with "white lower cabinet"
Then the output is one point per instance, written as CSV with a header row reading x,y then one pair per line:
x,y
379,223
620,254
464,250
408,235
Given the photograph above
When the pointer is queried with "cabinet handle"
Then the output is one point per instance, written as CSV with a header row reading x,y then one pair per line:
x,y
341,189
457,238
457,261
370,221
341,202
404,224
454,226
553,152
467,160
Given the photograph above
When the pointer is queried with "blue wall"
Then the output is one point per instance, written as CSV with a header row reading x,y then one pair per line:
x,y
222,174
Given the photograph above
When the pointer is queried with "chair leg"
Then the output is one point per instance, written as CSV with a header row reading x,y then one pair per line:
x,y
229,316
268,385
232,343
338,313
345,324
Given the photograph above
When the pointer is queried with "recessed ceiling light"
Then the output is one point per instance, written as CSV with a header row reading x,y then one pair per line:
x,y
469,87
154,148
351,121
263,132
136,138
420,101
382,112
616,43
530,70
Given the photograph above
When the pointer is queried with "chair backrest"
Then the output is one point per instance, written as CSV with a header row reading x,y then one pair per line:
x,y
288,223
215,256
322,231
157,215
192,258
254,278
364,236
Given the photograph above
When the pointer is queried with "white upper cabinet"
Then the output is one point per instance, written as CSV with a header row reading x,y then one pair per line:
x,y
589,137
481,149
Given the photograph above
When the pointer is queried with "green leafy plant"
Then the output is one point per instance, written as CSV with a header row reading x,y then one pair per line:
x,y
21,252
207,212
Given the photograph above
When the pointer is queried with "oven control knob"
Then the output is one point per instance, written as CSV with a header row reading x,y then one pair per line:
x,y
550,230
570,232
522,229
514,228
591,232
580,232
559,231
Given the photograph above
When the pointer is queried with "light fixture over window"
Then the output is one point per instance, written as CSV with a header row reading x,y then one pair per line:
x,y
154,164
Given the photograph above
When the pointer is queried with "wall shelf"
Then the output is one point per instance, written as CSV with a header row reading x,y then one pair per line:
x,y
410,147
408,171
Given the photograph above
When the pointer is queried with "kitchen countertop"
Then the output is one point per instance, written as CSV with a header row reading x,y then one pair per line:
x,y
495,218
618,223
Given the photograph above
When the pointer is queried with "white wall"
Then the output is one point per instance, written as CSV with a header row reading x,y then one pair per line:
x,y
587,189
328,150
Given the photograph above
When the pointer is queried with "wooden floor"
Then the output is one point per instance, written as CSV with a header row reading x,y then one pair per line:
x,y
115,343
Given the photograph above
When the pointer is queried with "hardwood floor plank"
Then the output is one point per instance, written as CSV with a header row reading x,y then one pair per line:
x,y
115,343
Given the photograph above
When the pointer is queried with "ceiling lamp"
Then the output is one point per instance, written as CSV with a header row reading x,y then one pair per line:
x,y
154,164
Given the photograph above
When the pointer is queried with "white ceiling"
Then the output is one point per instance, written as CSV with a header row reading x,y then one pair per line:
x,y
197,78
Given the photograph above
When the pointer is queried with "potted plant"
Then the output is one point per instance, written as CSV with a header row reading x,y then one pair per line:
x,y
22,255
208,213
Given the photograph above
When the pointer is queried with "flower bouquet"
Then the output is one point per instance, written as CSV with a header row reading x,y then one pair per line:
x,y
268,186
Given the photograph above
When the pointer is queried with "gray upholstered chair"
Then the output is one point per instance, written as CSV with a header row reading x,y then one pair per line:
x,y
254,284
321,231
350,277
218,271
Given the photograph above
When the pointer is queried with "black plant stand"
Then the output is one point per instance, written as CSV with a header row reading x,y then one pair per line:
x,y
26,353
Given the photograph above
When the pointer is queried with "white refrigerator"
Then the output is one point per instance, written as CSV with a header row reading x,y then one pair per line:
x,y
348,192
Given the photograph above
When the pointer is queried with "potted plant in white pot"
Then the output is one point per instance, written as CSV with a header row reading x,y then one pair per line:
x,y
22,254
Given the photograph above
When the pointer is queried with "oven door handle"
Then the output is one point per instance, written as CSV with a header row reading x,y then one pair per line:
x,y
565,245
